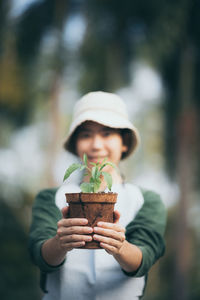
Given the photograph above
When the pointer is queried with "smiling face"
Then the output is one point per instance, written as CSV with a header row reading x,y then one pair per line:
x,y
99,142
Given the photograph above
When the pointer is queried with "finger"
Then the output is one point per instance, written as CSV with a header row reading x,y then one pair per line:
x,y
72,222
73,245
116,235
65,211
107,241
110,249
113,226
75,238
61,231
116,216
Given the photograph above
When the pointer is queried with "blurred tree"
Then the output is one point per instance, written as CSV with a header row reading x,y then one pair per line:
x,y
11,92
180,73
4,23
167,33
44,18
114,31
164,32
18,277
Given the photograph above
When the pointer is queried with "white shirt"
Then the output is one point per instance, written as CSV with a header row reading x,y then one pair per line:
x,y
95,274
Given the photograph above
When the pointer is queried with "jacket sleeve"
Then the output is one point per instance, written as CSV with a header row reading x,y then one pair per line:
x,y
45,215
147,231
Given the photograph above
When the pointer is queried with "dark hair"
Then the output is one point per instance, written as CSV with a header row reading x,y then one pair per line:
x,y
129,140
127,135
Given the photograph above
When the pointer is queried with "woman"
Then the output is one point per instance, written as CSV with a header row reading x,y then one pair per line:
x,y
130,246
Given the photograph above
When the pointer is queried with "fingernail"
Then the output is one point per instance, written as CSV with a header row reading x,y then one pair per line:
x,y
85,221
95,237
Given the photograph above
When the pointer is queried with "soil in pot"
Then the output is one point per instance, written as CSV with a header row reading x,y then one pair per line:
x,y
93,206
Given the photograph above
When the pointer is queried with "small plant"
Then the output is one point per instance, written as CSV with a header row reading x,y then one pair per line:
x,y
95,174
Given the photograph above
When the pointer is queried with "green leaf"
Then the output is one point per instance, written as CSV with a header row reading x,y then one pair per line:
x,y
70,170
92,180
93,164
97,186
103,162
85,159
94,172
110,164
97,175
82,167
98,180
108,179
103,166
86,174
87,187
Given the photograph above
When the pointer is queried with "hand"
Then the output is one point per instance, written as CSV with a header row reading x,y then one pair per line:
x,y
72,232
110,235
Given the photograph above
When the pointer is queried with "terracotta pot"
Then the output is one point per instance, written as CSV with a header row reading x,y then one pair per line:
x,y
93,206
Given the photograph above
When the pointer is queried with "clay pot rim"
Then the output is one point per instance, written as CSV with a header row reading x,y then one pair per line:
x,y
100,197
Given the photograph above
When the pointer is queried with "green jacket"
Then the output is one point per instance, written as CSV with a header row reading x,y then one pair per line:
x,y
146,230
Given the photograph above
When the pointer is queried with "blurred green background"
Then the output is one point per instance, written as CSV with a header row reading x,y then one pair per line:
x,y
52,52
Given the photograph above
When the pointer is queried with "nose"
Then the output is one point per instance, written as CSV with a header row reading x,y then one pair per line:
x,y
97,142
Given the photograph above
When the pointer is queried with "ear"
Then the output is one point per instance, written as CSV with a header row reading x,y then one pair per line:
x,y
124,148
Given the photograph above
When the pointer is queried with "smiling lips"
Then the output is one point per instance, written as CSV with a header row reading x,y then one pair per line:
x,y
95,159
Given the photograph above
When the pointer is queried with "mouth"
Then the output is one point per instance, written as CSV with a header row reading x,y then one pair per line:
x,y
96,159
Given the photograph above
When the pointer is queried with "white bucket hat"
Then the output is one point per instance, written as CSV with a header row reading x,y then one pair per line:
x,y
106,109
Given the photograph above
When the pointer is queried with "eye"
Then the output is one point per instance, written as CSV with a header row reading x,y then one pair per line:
x,y
84,135
106,133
